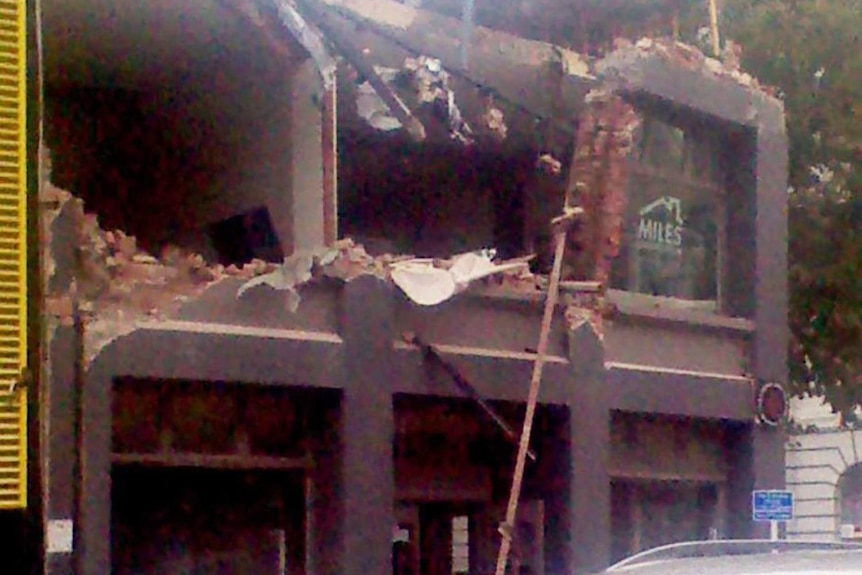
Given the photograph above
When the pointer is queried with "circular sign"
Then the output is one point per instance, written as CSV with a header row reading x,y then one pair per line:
x,y
771,404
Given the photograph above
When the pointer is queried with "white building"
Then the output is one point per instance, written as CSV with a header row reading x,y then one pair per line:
x,y
824,470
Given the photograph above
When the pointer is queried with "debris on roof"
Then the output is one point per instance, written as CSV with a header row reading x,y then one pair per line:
x,y
429,85
117,285
493,118
425,281
431,82
685,56
515,68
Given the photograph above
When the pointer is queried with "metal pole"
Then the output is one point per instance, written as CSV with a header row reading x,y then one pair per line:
x,y
467,31
713,28
773,530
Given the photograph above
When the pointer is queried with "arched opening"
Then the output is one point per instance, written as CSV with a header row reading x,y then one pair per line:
x,y
850,498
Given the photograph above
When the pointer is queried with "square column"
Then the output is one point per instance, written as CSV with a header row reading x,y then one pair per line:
x,y
578,515
367,478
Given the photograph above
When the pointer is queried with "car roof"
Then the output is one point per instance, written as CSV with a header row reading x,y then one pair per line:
x,y
790,562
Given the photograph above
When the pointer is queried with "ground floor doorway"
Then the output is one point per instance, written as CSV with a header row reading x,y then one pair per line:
x,y
187,521
463,539
647,514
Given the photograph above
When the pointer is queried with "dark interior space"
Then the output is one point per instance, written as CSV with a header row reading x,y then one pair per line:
x,y
432,199
850,490
648,514
151,117
134,157
188,520
453,467
181,417
452,454
12,542
246,236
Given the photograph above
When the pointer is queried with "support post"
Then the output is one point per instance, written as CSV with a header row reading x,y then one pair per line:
x,y
367,429
94,506
589,489
60,446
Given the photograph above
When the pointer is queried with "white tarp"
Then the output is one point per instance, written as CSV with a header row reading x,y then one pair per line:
x,y
425,281
427,284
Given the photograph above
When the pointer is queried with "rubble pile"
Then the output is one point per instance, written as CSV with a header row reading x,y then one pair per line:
x,y
493,119
116,284
346,260
686,56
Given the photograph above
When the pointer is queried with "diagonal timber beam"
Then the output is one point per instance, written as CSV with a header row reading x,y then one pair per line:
x,y
518,69
433,356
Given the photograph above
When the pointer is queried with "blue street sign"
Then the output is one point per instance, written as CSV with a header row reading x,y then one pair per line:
x,y
772,505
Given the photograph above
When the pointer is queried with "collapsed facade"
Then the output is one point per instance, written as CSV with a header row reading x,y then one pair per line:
x,y
250,396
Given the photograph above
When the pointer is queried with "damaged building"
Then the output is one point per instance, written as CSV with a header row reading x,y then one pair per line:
x,y
296,256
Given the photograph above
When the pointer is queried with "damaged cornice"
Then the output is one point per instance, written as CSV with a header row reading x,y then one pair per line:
x,y
683,75
519,70
522,70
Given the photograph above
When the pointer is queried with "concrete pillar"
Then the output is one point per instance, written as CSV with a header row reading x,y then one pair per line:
x,y
367,429
59,476
771,289
94,507
587,502
307,158
740,481
60,398
768,466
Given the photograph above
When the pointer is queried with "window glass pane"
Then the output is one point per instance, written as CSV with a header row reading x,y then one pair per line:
x,y
662,146
670,232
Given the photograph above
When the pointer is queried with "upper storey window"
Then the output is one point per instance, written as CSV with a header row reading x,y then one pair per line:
x,y
671,227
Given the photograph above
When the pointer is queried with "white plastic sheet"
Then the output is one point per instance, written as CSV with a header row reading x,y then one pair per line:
x,y
428,285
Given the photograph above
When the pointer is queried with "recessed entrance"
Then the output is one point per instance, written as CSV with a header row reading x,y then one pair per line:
x,y
186,521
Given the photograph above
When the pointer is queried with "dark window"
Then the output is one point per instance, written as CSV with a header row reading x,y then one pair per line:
x,y
851,496
670,234
244,237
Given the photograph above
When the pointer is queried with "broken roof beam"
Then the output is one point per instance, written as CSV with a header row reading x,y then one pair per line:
x,y
354,55
521,71
310,39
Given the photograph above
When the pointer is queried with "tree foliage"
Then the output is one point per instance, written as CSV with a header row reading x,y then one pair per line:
x,y
811,50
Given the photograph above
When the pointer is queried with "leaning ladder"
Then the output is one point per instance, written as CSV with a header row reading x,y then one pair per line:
x,y
560,226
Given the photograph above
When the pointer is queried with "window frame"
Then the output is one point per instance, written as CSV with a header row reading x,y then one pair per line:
x,y
701,127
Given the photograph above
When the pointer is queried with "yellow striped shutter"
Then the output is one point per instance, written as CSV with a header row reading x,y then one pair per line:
x,y
13,253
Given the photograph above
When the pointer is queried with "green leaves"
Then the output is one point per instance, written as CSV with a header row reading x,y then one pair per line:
x,y
811,50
